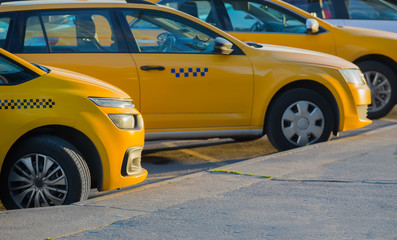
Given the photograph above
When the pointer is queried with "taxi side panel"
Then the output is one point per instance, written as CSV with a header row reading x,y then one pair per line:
x,y
269,82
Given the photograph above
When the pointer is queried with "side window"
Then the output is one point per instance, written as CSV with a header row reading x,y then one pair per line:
x,y
78,31
4,27
375,10
12,73
34,40
202,9
160,32
317,8
252,16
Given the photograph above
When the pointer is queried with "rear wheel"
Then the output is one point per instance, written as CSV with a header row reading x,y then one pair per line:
x,y
383,84
297,118
44,171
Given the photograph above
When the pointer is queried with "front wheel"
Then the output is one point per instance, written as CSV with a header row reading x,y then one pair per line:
x,y
383,84
297,118
44,171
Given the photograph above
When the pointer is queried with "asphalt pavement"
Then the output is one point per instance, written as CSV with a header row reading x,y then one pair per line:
x,y
342,189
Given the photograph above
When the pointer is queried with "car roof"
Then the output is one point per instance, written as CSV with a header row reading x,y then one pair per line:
x,y
25,2
26,5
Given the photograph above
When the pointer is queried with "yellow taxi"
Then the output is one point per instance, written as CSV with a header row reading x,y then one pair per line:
x,y
277,22
189,79
63,134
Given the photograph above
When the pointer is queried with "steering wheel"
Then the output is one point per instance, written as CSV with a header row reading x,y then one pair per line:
x,y
199,44
258,27
166,41
3,80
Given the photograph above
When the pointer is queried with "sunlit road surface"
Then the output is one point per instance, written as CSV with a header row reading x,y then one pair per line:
x,y
165,160
169,159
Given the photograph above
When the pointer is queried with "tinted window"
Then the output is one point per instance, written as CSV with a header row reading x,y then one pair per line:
x,y
203,9
260,16
12,73
4,27
160,32
376,10
318,8
72,31
34,36
349,9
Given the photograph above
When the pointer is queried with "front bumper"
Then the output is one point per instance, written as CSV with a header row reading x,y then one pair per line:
x,y
355,108
119,150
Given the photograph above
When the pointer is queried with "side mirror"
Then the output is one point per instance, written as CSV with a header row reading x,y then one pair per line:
x,y
312,25
223,46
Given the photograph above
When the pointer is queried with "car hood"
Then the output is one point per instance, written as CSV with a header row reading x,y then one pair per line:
x,y
290,54
365,32
88,85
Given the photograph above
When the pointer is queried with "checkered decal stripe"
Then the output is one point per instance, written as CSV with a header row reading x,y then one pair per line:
x,y
189,72
26,103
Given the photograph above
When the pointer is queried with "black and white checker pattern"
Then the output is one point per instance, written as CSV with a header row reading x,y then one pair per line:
x,y
8,104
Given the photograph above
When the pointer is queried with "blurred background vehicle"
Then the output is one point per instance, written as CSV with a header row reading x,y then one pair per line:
x,y
375,14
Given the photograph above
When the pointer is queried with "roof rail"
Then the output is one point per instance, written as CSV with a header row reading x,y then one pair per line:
x,y
4,1
140,1
127,1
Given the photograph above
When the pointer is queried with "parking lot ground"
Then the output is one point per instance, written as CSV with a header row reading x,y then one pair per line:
x,y
170,159
166,160
342,189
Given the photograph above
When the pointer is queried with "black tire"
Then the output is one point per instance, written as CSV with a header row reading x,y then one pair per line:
x,y
383,84
288,127
63,178
246,138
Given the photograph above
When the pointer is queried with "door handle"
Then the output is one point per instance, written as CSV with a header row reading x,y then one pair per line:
x,y
149,68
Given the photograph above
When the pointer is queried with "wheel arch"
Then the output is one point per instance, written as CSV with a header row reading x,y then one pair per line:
x,y
79,140
312,85
387,64
379,58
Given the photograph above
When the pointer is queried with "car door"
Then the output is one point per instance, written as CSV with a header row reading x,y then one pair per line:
x,y
16,108
184,84
85,41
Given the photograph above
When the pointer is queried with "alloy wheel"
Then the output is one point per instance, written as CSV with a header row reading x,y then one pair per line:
x,y
37,180
302,123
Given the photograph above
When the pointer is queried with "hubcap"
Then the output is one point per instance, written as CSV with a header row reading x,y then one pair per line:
x,y
37,180
302,123
380,90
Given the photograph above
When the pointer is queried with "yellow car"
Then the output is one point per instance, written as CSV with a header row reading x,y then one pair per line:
x,y
277,22
63,133
189,79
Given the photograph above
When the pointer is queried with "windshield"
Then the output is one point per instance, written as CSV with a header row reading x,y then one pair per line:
x,y
12,73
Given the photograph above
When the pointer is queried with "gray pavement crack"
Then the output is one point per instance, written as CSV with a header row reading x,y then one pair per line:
x,y
380,182
93,205
238,173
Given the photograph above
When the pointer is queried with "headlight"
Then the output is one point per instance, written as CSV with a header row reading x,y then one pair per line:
x,y
124,121
112,102
353,76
